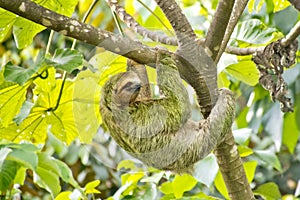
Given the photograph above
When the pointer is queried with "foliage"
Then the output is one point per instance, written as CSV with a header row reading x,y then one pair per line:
x,y
50,99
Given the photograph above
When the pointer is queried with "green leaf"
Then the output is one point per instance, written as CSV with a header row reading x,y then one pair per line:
x,y
183,183
220,185
90,188
154,178
3,154
24,112
244,71
108,65
65,7
6,23
166,188
273,121
269,157
27,159
65,173
11,100
244,151
24,31
7,174
250,167
18,74
67,59
126,164
280,5
290,131
86,97
206,170
253,31
46,175
269,191
242,135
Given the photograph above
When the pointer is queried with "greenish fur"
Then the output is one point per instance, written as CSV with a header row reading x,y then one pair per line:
x,y
159,132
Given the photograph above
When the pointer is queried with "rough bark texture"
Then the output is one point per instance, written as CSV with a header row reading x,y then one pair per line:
x,y
231,167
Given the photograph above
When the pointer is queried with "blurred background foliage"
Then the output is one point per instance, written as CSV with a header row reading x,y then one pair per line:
x,y
267,139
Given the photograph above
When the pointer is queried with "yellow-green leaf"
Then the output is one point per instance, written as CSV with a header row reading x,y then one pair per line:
x,y
63,195
250,167
244,71
11,100
280,5
183,183
290,131
90,187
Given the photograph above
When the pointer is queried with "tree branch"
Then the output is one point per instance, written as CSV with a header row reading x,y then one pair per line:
x,y
292,35
238,9
135,26
295,3
83,32
200,70
218,26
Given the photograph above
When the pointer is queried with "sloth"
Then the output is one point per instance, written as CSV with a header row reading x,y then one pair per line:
x,y
159,131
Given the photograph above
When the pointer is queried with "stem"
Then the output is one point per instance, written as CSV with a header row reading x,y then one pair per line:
x,y
49,42
60,91
84,19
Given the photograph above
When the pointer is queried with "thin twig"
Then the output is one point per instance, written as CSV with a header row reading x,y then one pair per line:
x,y
292,35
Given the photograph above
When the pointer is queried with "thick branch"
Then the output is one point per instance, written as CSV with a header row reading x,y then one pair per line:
x,y
83,32
238,9
135,26
295,3
218,26
200,70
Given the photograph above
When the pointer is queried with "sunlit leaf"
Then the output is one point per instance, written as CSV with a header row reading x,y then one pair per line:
x,y
269,191
183,183
206,170
250,168
269,157
86,99
244,151
290,131
6,23
90,187
220,185
65,7
24,112
280,5
11,100
24,31
126,164
108,64
63,195
244,71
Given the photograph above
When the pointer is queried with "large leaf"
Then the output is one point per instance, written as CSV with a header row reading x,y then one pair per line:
x,y
18,74
269,191
273,121
206,170
290,131
6,23
280,5
8,172
11,100
67,59
27,159
253,31
24,31
65,7
86,99
269,157
244,71
46,175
